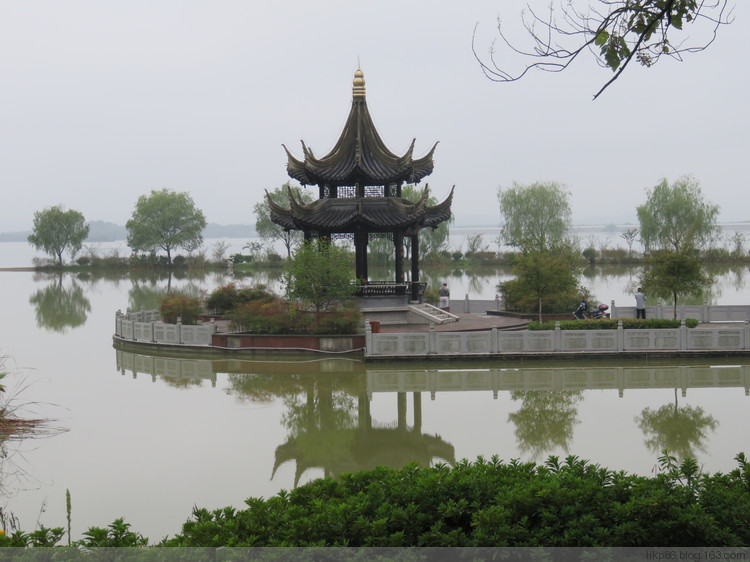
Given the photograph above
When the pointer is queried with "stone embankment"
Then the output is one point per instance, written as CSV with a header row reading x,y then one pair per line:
x,y
475,335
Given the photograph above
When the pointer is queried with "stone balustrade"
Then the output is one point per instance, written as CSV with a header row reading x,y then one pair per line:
x,y
705,312
145,326
499,342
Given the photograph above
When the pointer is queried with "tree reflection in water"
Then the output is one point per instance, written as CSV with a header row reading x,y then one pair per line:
x,y
59,307
545,420
681,430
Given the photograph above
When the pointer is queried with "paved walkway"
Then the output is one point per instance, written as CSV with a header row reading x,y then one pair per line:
x,y
467,323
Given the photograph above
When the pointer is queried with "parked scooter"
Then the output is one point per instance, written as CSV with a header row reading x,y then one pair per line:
x,y
600,312
580,312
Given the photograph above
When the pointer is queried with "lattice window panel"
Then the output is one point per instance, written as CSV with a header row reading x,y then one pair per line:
x,y
385,235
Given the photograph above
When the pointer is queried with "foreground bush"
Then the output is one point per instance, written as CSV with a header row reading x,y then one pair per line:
x,y
491,503
611,324
486,503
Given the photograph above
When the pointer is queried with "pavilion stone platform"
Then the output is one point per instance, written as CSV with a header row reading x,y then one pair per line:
x,y
401,312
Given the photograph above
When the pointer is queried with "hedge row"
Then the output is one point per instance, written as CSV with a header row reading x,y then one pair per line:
x,y
611,324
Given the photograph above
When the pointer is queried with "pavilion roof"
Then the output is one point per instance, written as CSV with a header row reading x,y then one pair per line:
x,y
360,156
375,214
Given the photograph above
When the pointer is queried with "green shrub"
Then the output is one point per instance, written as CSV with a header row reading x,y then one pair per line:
x,y
431,296
279,317
492,504
228,297
83,260
116,535
341,320
614,256
177,305
239,258
223,299
259,317
590,255
611,324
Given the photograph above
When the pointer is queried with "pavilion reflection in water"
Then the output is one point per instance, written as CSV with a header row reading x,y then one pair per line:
x,y
328,417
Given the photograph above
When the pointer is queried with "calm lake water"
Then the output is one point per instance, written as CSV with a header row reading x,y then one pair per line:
x,y
147,438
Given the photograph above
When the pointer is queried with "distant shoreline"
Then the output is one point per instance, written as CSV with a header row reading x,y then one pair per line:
x,y
231,231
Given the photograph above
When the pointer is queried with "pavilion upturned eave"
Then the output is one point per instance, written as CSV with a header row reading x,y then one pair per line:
x,y
374,214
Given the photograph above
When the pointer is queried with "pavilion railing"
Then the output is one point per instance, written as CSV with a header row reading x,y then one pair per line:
x,y
387,288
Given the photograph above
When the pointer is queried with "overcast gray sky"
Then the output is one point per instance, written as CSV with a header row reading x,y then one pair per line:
x,y
103,101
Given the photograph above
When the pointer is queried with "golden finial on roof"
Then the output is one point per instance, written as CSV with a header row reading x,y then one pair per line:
x,y
359,84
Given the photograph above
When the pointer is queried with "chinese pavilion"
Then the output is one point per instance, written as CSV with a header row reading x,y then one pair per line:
x,y
359,193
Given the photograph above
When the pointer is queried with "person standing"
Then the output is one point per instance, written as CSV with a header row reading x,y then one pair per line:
x,y
640,304
445,297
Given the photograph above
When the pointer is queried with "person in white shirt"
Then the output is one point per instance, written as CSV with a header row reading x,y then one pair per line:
x,y
640,304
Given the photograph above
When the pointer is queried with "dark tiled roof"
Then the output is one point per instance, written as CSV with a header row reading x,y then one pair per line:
x,y
360,156
374,214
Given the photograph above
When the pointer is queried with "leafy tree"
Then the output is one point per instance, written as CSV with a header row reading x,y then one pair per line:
x,y
537,220
167,220
57,230
590,255
614,31
676,217
268,230
670,274
545,281
320,273
676,222
537,216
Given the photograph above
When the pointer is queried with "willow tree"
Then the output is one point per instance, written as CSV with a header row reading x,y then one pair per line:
x,y
537,220
676,223
536,216
677,217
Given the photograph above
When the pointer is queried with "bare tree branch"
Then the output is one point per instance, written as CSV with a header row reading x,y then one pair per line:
x,y
614,31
